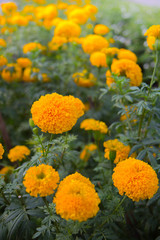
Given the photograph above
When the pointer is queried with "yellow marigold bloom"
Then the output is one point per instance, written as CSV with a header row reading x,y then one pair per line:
x,y
9,8
76,198
121,151
12,72
28,9
94,125
3,60
46,12
6,170
151,42
19,20
18,153
98,59
56,42
93,43
67,29
153,31
84,79
62,5
41,180
27,74
78,16
40,1
24,62
1,151
87,151
2,43
110,51
136,179
55,113
101,29
56,21
127,54
91,10
32,46
128,68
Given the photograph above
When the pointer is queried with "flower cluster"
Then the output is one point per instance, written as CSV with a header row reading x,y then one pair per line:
x,y
41,180
76,198
136,179
55,113
18,153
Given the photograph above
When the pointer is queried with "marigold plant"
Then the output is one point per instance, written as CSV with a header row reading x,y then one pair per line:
x,y
18,153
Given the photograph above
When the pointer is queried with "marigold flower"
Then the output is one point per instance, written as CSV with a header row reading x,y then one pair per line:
x,y
151,42
24,62
153,31
3,43
94,125
56,42
27,74
1,151
6,170
78,16
67,29
40,1
19,20
32,46
98,59
87,151
127,54
41,180
121,151
55,113
3,60
136,179
84,79
101,29
93,43
18,153
128,68
110,51
76,198
9,8
12,72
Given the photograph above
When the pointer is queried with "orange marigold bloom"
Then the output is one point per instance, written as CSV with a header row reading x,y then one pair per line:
x,y
3,60
98,59
41,180
1,151
119,150
93,43
56,42
78,16
76,198
151,42
84,79
94,125
3,43
32,46
18,153
9,8
86,152
27,74
12,72
55,113
127,54
6,169
24,62
101,29
110,51
153,31
67,29
136,179
128,68
18,20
